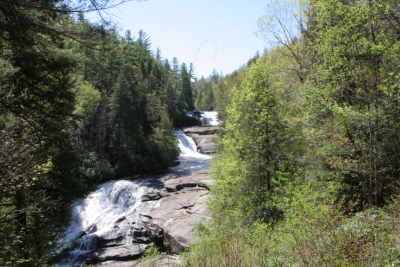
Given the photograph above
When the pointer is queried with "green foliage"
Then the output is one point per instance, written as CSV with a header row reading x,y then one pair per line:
x,y
219,245
315,234
150,257
164,138
213,93
87,100
309,150
35,100
250,162
79,105
352,102
135,101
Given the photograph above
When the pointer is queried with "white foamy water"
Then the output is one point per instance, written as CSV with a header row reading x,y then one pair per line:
x,y
206,118
111,214
107,216
210,118
188,146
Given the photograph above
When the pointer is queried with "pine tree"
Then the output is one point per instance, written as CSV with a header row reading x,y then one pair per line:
x,y
186,95
248,163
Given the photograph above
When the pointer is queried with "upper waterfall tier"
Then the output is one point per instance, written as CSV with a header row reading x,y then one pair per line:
x,y
203,118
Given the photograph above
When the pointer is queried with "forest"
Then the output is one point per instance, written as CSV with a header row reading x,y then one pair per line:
x,y
309,159
80,104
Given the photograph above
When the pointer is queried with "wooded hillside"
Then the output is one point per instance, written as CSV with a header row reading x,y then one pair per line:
x,y
80,104
308,170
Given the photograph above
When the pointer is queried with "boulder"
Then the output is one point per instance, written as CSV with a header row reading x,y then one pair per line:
x,y
203,130
178,214
120,253
172,223
151,196
205,143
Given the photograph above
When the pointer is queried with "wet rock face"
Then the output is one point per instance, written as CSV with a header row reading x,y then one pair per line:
x,y
110,221
182,205
117,221
178,214
204,137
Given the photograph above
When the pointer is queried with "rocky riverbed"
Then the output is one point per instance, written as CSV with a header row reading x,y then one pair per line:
x,y
181,205
179,213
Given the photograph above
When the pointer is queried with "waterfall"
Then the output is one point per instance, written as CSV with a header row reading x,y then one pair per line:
x,y
98,212
188,147
111,215
205,118
210,118
190,159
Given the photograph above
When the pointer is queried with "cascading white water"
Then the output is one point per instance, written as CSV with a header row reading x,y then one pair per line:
x,y
98,212
210,118
107,217
188,147
205,118
190,160
111,215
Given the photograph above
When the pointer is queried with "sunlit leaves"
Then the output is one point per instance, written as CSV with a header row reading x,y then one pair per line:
x,y
354,93
247,164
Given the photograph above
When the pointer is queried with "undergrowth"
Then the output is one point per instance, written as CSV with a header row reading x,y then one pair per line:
x,y
313,233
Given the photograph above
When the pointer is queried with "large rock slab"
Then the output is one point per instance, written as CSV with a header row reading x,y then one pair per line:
x,y
119,253
201,130
164,260
204,137
178,214
182,207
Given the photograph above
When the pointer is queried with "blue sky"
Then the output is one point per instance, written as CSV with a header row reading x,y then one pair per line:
x,y
208,33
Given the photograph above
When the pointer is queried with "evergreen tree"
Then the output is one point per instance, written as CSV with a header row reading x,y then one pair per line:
x,y
186,89
250,158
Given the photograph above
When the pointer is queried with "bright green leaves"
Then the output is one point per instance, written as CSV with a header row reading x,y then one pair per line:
x,y
248,163
87,100
327,138
354,93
